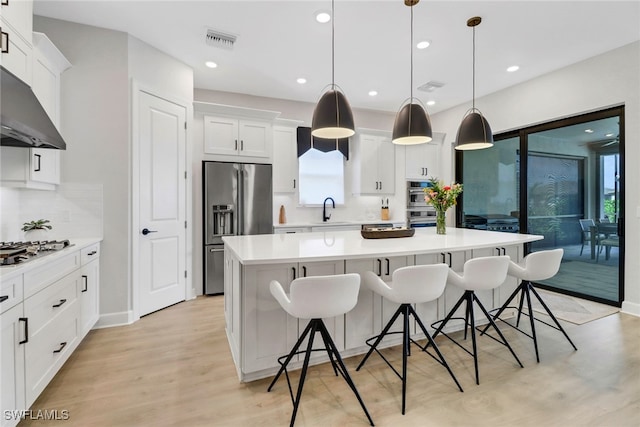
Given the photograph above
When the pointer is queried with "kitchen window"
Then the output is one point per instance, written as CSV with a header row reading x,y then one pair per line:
x,y
321,175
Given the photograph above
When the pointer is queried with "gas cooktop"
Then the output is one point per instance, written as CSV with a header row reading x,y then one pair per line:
x,y
12,253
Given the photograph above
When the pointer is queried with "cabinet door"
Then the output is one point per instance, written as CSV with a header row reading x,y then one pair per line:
x,y
45,165
220,135
45,85
386,166
12,391
335,325
255,138
285,160
268,331
368,150
89,296
422,161
365,320
17,22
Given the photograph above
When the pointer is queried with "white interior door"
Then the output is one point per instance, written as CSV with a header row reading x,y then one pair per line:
x,y
162,203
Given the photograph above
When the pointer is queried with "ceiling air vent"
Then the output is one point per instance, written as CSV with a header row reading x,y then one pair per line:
x,y
430,86
220,39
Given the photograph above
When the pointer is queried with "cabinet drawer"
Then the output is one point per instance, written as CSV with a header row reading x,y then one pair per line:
x,y
47,351
89,253
39,278
13,289
44,307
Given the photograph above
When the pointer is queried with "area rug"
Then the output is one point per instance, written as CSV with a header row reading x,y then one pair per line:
x,y
571,309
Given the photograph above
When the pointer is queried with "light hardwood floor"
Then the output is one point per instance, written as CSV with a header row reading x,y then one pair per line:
x,y
174,368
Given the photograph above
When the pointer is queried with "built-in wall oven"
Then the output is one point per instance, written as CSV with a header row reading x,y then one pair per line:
x,y
419,213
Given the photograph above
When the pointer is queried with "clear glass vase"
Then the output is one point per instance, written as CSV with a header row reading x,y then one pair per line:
x,y
440,221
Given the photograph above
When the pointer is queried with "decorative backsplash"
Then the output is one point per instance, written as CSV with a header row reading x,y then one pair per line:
x,y
74,211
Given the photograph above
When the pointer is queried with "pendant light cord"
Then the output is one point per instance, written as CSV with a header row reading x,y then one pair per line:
x,y
473,85
411,68
333,46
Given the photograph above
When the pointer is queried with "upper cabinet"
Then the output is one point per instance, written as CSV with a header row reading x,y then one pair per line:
x,y
16,24
422,161
285,157
39,168
374,159
237,137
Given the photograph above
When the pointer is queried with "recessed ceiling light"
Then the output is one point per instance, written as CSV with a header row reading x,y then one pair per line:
x,y
301,80
431,102
373,92
609,135
423,44
588,130
323,17
211,64
513,68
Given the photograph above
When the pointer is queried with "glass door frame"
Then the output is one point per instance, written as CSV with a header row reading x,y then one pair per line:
x,y
523,135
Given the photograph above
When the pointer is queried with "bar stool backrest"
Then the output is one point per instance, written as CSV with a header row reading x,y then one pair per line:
x,y
319,296
481,273
540,265
419,283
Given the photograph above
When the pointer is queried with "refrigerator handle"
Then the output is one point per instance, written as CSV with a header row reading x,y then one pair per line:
x,y
240,202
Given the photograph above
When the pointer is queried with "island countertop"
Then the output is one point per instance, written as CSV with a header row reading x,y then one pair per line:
x,y
336,245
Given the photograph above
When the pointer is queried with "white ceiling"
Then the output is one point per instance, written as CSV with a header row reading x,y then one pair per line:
x,y
279,41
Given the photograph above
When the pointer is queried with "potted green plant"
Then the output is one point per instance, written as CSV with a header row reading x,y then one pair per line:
x,y
36,230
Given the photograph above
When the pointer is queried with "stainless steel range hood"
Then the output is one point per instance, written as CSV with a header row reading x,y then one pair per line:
x,y
25,123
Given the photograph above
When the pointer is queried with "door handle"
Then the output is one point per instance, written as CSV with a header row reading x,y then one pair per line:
x,y
387,262
26,330
5,41
62,345
37,168
62,301
146,231
86,283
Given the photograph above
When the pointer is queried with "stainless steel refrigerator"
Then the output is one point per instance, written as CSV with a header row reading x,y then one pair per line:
x,y
237,201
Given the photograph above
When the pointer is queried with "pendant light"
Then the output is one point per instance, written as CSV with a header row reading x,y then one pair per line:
x,y
474,132
412,125
332,117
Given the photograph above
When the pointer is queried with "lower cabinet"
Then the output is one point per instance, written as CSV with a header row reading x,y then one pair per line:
x,y
12,345
268,331
40,331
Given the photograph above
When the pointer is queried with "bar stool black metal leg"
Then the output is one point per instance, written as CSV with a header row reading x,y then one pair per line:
x,y
532,320
405,353
292,353
473,339
447,318
382,334
303,374
493,324
343,369
519,289
553,317
520,306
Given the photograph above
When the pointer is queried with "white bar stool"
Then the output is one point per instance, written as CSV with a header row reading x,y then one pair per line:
x,y
539,265
409,285
478,274
314,298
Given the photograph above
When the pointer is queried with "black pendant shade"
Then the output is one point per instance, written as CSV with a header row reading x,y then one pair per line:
x,y
332,117
474,132
412,126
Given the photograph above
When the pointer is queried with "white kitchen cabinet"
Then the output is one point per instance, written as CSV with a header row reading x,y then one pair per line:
x,y
16,23
372,311
237,137
39,168
374,163
423,161
90,288
12,386
285,159
269,332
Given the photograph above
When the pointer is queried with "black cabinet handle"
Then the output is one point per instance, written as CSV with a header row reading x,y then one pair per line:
x,y
95,252
146,231
62,301
444,259
26,330
86,283
3,298
381,185
5,41
5,2
379,267
294,272
62,345
387,261
242,145
294,183
37,168
236,146
304,271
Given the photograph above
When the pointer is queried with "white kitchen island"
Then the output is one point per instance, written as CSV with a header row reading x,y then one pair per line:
x,y
259,331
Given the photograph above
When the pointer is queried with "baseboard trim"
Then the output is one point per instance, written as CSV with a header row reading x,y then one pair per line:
x,y
114,319
630,308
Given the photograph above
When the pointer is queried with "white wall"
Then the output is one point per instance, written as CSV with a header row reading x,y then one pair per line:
x,y
95,124
603,81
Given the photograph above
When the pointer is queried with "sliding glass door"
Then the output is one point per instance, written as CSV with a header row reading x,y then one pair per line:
x,y
562,180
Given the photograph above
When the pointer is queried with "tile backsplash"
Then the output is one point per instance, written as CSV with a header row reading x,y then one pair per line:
x,y
74,211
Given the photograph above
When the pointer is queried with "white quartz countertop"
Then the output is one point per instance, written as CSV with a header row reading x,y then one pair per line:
x,y
9,271
336,245
334,223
